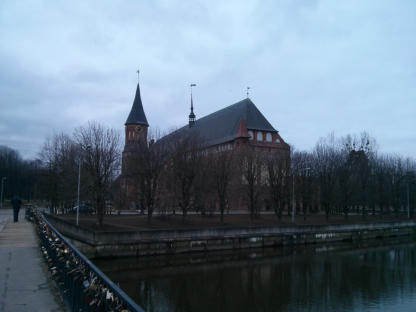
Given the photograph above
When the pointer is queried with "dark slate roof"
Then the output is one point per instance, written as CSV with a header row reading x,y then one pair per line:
x,y
137,115
222,126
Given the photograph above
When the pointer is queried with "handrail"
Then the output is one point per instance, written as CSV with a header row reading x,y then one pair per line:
x,y
64,258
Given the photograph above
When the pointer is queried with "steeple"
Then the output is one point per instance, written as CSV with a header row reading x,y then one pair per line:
x,y
136,124
137,116
192,115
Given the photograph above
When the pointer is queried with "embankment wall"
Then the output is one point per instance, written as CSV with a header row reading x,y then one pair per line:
x,y
158,242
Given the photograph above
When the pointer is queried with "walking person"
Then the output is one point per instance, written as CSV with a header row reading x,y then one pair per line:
x,y
16,203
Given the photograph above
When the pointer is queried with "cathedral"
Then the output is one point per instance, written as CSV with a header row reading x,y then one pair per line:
x,y
230,128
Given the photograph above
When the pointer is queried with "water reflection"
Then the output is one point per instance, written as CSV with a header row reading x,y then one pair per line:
x,y
348,277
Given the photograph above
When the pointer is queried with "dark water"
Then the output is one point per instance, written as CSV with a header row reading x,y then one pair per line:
x,y
374,276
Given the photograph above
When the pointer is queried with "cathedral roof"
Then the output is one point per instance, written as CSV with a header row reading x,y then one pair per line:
x,y
224,125
137,116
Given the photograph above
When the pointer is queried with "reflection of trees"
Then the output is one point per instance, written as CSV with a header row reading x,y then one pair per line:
x,y
307,281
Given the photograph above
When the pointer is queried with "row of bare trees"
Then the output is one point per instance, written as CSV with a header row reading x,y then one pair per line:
x,y
347,175
177,172
94,148
18,175
165,173
339,176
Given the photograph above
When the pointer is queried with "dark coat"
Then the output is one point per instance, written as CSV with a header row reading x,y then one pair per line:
x,y
16,202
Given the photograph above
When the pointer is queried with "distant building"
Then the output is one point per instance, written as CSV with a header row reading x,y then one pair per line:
x,y
231,128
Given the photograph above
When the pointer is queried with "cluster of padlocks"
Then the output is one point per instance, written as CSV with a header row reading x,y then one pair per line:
x,y
82,287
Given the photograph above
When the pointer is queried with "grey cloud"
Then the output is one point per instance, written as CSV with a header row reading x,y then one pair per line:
x,y
313,66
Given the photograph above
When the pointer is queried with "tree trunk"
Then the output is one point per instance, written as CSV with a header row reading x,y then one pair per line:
x,y
149,215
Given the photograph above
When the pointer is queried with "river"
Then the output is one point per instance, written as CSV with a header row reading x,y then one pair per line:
x,y
369,276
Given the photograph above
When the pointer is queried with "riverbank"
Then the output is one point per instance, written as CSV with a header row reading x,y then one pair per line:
x,y
136,222
145,242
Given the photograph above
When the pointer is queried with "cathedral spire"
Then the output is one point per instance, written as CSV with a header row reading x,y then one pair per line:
x,y
192,115
137,115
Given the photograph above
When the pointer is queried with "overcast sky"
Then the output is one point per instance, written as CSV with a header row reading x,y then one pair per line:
x,y
314,67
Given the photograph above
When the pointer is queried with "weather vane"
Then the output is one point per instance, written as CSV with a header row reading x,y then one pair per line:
x,y
138,74
248,92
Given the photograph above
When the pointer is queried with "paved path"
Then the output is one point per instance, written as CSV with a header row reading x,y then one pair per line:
x,y
24,284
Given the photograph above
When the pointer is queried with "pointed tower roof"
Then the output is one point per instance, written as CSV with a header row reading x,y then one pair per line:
x,y
137,116
192,109
192,115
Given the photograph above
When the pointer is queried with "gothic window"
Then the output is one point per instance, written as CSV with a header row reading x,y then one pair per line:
x,y
251,134
259,136
268,137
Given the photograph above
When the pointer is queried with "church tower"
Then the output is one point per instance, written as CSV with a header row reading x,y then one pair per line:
x,y
136,127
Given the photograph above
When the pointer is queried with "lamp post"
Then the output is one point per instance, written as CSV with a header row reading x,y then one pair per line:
x,y
408,200
79,185
2,187
79,181
293,197
408,194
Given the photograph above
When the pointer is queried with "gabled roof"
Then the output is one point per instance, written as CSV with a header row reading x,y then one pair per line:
x,y
223,125
137,116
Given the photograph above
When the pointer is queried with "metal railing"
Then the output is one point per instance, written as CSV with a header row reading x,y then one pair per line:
x,y
82,285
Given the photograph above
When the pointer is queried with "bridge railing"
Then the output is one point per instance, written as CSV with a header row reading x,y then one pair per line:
x,y
83,286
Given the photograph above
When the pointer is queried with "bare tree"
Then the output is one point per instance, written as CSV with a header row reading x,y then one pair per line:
x,y
251,166
101,148
185,162
149,162
277,177
222,169
326,159
360,151
380,184
344,186
21,176
301,165
205,192
59,158
50,178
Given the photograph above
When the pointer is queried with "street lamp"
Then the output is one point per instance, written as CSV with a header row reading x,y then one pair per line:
x,y
2,186
408,194
408,200
293,197
79,181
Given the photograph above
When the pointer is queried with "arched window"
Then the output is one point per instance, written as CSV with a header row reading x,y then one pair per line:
x,y
277,140
268,137
251,134
259,136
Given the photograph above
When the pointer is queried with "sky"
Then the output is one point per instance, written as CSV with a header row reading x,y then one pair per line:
x,y
313,67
